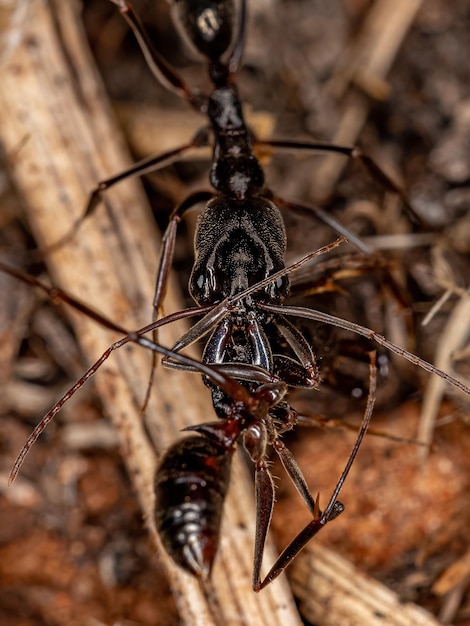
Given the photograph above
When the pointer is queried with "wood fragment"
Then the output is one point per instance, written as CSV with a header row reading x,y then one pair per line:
x,y
331,591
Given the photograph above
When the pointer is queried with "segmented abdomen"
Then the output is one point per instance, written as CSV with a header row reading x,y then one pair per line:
x,y
190,487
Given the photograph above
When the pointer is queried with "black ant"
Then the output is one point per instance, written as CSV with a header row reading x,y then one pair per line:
x,y
239,282
192,479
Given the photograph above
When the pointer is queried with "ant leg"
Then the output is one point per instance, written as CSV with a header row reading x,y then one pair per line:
x,y
255,441
168,244
400,294
346,267
353,152
164,266
323,216
235,58
150,164
159,66
373,261
303,372
264,497
295,474
331,320
319,421
334,507
328,276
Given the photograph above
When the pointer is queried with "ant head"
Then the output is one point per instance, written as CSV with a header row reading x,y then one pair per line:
x,y
237,245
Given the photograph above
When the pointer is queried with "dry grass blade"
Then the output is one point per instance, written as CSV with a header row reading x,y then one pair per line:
x,y
367,65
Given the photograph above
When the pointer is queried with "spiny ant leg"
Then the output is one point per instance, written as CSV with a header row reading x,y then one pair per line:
x,y
264,497
255,442
235,59
348,266
331,320
145,166
353,152
295,474
351,266
164,267
326,218
230,386
303,372
334,507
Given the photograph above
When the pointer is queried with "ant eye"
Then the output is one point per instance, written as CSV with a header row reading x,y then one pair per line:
x,y
203,288
200,281
279,289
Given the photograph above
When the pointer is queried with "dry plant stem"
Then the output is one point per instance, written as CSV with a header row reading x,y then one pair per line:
x,y
367,65
345,596
51,97
453,337
451,586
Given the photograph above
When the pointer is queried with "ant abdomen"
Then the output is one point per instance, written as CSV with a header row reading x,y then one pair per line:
x,y
190,487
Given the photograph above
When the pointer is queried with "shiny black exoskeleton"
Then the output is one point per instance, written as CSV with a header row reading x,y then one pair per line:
x,y
188,515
